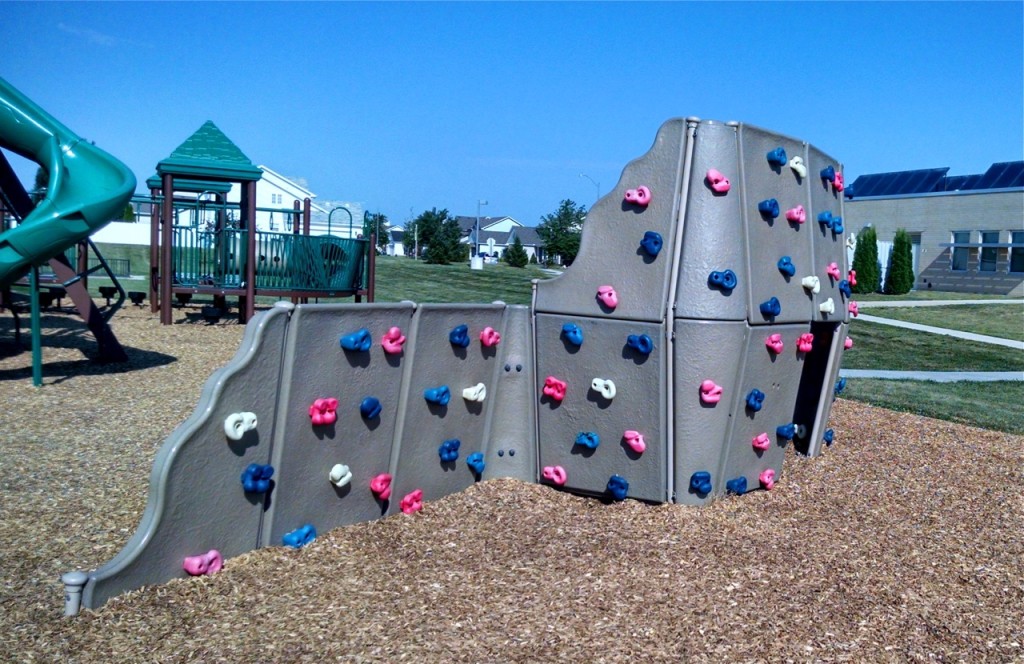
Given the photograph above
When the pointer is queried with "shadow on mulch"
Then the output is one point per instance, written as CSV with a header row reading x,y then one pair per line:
x,y
68,332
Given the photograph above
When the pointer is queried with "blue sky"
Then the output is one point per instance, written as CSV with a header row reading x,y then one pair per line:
x,y
411,106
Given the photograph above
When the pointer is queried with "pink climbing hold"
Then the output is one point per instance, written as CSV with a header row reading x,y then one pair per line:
x,y
848,344
805,343
608,296
324,412
392,341
718,182
854,309
837,181
761,441
851,276
833,271
797,215
490,337
210,562
412,502
710,392
767,479
381,486
554,474
635,440
639,196
774,343
554,388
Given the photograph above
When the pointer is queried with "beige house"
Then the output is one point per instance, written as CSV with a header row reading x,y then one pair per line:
x,y
967,231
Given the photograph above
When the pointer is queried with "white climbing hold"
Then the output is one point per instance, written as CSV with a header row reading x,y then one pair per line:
x,y
476,393
827,307
340,475
812,284
236,424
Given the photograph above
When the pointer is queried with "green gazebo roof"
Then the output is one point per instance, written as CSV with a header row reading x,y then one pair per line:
x,y
209,154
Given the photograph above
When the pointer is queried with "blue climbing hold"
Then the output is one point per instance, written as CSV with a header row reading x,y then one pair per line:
x,y
440,395
652,243
618,487
588,439
370,407
449,450
256,478
475,461
837,225
360,341
787,431
573,334
828,173
786,266
726,280
755,400
840,386
825,218
700,482
844,288
769,207
829,436
777,157
737,485
459,336
771,307
300,537
641,343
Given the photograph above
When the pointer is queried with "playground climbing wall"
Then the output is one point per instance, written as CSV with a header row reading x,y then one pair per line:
x,y
696,336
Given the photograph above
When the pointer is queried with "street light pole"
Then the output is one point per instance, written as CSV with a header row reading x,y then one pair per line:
x,y
597,185
476,231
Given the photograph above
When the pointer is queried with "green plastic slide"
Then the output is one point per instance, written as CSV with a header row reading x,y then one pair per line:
x,y
87,186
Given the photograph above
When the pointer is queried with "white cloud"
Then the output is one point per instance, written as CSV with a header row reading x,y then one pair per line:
x,y
90,35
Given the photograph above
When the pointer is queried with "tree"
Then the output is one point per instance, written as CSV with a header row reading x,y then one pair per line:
x,y
865,262
561,231
441,236
899,278
515,255
375,222
129,212
38,192
427,225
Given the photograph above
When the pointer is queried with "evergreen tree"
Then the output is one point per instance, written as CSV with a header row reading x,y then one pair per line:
x,y
516,256
129,212
561,231
427,225
376,222
533,259
865,262
446,244
899,279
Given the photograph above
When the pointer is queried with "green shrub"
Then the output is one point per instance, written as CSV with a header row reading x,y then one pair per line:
x,y
865,262
516,256
899,278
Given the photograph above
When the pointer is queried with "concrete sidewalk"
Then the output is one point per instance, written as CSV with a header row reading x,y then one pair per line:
x,y
983,338
935,376
896,304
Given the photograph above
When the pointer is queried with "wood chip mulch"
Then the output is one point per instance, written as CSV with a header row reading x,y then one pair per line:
x,y
904,541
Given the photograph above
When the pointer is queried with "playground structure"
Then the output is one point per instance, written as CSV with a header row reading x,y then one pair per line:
x,y
697,335
206,247
87,187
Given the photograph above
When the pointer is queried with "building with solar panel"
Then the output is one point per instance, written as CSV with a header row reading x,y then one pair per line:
x,y
967,231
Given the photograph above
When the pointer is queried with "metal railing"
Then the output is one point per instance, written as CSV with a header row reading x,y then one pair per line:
x,y
284,261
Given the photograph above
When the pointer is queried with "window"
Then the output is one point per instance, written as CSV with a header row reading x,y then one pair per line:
x,y
988,254
1017,253
275,199
960,253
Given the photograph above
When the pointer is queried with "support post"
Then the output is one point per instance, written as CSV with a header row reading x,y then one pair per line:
x,y
166,276
37,337
154,250
247,303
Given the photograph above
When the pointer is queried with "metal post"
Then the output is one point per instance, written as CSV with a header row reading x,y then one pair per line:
x,y
248,307
154,250
306,210
37,338
597,185
166,269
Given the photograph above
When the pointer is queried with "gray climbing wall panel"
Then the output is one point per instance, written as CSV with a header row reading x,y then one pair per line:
x,y
317,367
196,500
638,405
610,249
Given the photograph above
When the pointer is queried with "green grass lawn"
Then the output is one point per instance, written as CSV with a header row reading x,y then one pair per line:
x,y
997,405
877,346
996,320
400,278
928,295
